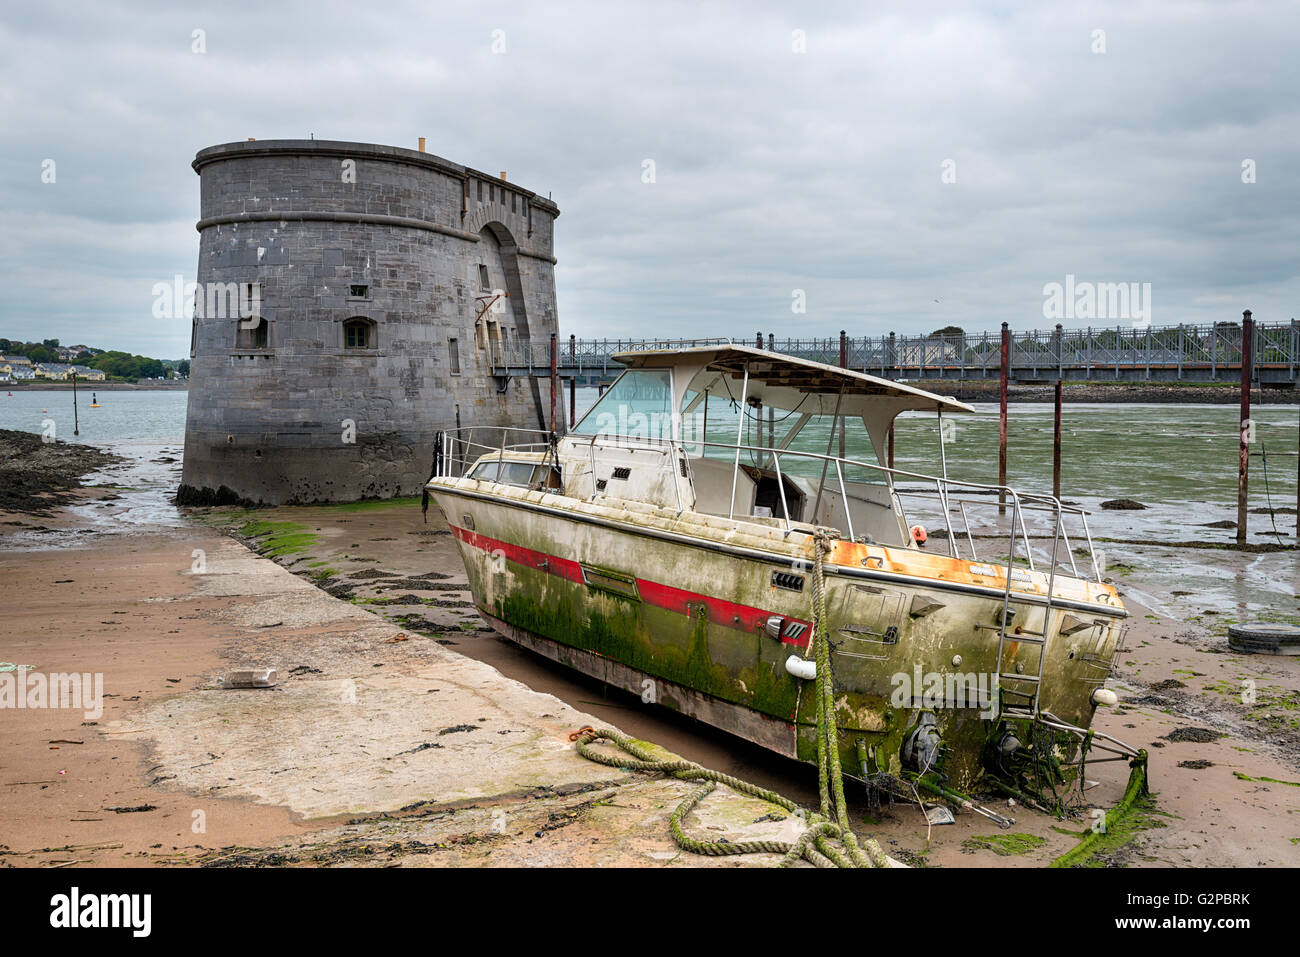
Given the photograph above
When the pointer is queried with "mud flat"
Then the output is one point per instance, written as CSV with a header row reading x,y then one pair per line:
x,y
36,477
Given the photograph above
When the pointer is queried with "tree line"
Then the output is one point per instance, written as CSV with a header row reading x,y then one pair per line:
x,y
113,363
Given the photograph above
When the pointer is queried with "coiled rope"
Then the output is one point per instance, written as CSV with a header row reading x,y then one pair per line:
x,y
829,840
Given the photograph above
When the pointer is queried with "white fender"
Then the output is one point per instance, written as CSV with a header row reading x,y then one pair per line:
x,y
801,667
1105,696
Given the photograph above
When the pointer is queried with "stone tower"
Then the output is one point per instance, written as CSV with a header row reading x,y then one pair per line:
x,y
382,279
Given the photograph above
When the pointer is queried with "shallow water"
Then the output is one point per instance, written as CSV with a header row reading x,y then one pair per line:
x,y
146,428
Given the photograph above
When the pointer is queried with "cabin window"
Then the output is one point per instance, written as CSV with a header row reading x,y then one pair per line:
x,y
521,474
358,334
252,337
453,355
638,405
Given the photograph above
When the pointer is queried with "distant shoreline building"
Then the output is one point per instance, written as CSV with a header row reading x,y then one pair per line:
x,y
382,278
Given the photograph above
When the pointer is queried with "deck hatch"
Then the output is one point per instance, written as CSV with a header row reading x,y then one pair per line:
x,y
615,583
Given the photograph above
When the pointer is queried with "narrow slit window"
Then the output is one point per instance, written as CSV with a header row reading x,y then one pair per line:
x,y
484,282
453,352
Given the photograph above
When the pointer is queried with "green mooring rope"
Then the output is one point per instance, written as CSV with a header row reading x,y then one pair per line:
x,y
829,840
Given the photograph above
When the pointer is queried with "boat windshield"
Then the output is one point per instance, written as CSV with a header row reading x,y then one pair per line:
x,y
639,405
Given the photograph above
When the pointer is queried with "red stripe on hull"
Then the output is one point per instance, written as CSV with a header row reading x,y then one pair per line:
x,y
719,610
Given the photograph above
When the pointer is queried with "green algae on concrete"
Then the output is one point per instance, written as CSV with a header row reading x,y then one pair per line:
x,y
275,539
1005,845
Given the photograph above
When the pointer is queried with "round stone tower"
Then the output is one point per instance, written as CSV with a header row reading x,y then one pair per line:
x,y
353,300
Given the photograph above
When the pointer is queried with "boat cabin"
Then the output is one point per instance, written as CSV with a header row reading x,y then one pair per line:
x,y
747,434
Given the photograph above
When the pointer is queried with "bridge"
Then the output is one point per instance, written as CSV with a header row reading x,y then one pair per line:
x,y
1130,353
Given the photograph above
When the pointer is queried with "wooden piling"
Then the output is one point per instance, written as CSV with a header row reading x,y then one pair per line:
x,y
1056,446
1002,417
1243,447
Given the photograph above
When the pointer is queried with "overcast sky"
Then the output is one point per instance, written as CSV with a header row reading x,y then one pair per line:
x,y
775,170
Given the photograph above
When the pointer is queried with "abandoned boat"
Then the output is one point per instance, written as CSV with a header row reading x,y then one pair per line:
x,y
668,545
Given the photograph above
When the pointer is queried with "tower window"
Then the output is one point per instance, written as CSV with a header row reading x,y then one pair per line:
x,y
480,191
252,337
484,282
359,291
513,198
358,334
453,352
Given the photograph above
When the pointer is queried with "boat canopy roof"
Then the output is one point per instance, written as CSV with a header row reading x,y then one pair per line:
x,y
785,381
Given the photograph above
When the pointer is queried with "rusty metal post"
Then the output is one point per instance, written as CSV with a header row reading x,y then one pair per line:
x,y
844,362
1002,417
573,381
1243,456
555,381
1056,446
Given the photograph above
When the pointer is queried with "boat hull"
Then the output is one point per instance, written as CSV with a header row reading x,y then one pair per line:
x,y
699,614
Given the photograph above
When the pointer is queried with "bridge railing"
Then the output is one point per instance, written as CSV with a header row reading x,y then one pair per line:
x,y
1209,347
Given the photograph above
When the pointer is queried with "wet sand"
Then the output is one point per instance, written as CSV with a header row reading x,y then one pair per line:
x,y
113,608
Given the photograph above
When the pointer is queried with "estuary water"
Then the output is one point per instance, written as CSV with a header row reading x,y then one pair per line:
x,y
1178,460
